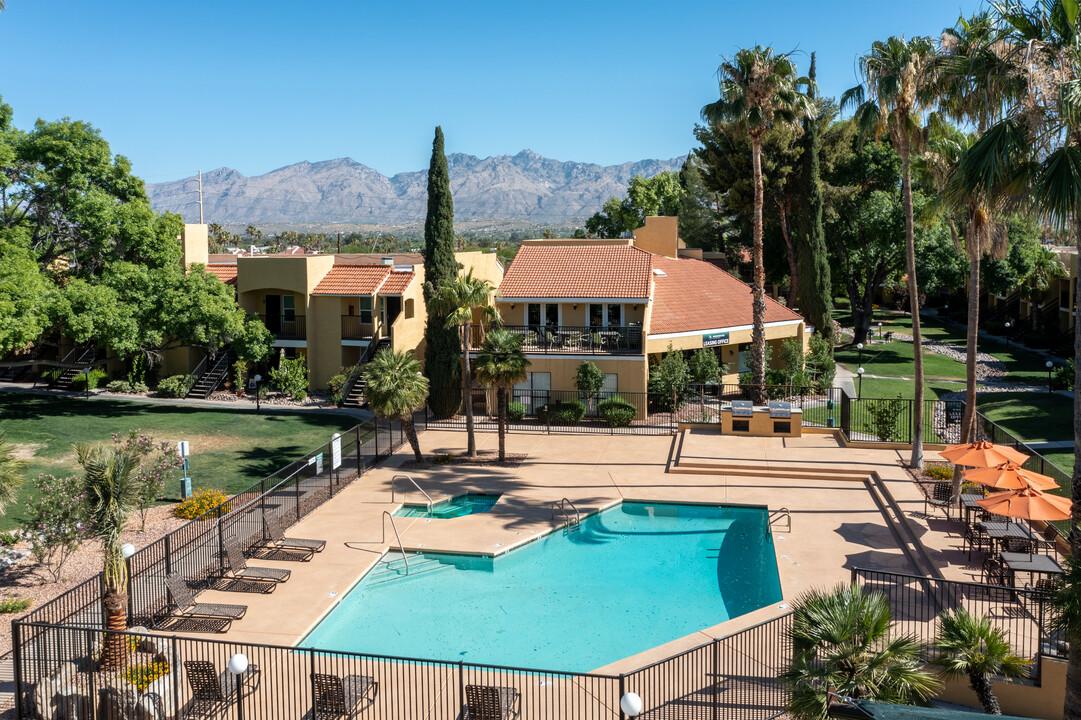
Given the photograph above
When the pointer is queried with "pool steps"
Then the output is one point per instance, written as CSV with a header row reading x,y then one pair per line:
x,y
388,570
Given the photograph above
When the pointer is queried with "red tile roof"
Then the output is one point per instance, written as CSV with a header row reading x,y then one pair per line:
x,y
575,271
352,280
226,272
396,283
697,295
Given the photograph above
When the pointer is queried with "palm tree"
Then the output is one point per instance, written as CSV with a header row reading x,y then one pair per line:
x,y
1066,619
11,473
112,494
842,642
898,86
759,90
458,299
396,389
500,364
970,647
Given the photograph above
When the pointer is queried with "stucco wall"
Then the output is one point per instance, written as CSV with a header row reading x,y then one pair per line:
x,y
1021,699
631,370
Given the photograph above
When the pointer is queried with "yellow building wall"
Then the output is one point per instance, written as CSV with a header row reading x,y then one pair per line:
x,y
632,370
407,333
660,235
193,240
324,328
1020,699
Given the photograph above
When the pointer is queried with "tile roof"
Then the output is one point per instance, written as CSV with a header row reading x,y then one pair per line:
x,y
697,295
226,272
570,271
396,283
352,280
377,258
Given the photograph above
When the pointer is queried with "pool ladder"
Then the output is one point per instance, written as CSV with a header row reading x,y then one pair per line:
x,y
394,482
781,515
401,548
561,506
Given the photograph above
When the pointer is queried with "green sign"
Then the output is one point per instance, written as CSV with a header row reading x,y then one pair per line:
x,y
714,339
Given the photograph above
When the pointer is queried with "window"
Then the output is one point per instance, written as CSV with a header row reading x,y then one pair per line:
x,y
611,382
288,307
542,314
534,391
605,315
366,310
408,309
596,315
551,315
533,314
744,357
382,311
615,315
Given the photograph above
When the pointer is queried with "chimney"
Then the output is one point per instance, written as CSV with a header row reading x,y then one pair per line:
x,y
659,235
194,241
387,261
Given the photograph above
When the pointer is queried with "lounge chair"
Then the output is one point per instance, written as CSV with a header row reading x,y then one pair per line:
x,y
278,540
941,496
210,689
336,697
488,702
216,616
237,567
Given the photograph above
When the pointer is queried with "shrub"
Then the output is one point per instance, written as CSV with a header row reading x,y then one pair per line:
x,y
9,539
616,411
884,417
143,674
12,605
158,463
516,411
1063,377
174,386
565,412
443,458
939,471
90,380
200,503
55,522
291,377
668,381
240,375
47,376
336,384
123,386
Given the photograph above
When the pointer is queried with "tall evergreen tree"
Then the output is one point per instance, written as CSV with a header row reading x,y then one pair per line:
x,y
815,285
442,348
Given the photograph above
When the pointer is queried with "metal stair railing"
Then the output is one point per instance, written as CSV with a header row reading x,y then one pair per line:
x,y
195,375
561,506
394,482
781,514
383,539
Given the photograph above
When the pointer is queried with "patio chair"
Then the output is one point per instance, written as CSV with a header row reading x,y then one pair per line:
x,y
214,616
996,573
238,566
278,540
553,341
1049,539
336,697
489,702
210,689
977,539
1017,545
941,496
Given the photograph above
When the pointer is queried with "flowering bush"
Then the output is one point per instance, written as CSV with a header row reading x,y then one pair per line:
x,y
939,471
56,522
291,377
143,674
158,464
200,503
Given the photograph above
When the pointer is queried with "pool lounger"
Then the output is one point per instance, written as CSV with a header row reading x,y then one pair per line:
x,y
236,567
336,697
188,609
277,537
490,702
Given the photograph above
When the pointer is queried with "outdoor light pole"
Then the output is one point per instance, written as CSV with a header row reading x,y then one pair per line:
x,y
237,665
859,392
1007,334
257,379
859,346
880,332
1050,366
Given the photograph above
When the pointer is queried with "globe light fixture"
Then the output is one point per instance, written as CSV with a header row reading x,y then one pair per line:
x,y
631,704
238,663
859,392
1050,366
127,550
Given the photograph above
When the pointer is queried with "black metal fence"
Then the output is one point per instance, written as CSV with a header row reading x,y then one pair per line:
x,y
573,339
890,419
57,674
195,550
917,601
989,430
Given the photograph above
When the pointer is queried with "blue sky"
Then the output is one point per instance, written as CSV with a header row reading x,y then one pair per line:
x,y
259,85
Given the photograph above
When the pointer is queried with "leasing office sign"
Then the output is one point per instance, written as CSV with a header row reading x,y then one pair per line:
x,y
712,339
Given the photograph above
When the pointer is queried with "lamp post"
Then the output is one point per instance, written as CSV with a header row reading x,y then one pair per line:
x,y
1007,334
1050,366
859,392
631,704
258,378
880,332
237,665
859,347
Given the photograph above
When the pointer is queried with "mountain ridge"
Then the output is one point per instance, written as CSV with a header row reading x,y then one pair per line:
x,y
525,186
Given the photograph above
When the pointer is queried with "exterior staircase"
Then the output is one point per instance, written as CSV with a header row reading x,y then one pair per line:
x,y
205,383
356,384
78,360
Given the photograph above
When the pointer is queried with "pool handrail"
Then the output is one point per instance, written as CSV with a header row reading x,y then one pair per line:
x,y
393,482
561,504
401,548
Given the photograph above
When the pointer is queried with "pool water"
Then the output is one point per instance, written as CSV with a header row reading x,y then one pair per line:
x,y
467,504
628,579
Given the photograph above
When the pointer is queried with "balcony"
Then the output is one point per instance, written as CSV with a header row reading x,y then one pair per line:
x,y
354,327
285,327
571,340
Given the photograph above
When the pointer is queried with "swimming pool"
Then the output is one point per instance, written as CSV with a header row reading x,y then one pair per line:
x,y
467,504
628,579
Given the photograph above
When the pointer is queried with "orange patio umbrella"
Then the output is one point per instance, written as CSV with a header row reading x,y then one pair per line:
x,y
1027,504
982,454
1009,476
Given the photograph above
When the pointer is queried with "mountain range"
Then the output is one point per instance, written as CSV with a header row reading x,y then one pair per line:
x,y
525,186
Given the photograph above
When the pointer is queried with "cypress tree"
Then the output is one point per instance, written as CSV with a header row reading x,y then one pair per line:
x,y
815,287
442,349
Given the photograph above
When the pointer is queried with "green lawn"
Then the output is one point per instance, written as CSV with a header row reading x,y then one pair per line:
x,y
891,388
230,450
1062,460
1030,416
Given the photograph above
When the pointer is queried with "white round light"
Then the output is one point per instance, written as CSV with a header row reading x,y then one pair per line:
x,y
238,663
258,378
631,704
860,371
1050,364
859,346
127,550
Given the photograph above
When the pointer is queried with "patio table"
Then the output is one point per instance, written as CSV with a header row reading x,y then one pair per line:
x,y
1033,564
999,530
968,504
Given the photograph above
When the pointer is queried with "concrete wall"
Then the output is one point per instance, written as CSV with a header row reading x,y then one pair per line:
x,y
631,369
660,235
407,333
730,352
194,242
1021,699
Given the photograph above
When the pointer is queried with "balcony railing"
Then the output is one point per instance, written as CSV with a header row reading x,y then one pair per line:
x,y
356,328
566,339
285,327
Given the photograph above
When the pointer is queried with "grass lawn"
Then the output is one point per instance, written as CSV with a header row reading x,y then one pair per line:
x,y
891,388
1031,415
1062,460
230,450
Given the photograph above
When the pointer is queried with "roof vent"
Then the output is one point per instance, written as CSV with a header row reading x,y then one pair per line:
x,y
387,261
659,273
403,268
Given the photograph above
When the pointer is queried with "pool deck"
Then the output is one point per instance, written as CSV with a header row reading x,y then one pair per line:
x,y
837,520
